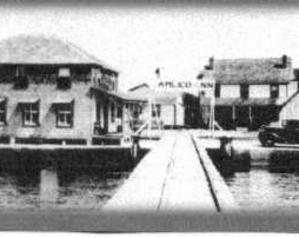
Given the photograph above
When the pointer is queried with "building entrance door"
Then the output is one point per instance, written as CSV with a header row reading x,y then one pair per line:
x,y
242,117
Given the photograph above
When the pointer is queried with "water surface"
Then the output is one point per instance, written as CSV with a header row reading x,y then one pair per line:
x,y
262,189
87,188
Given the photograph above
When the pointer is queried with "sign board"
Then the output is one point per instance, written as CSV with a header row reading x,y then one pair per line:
x,y
191,86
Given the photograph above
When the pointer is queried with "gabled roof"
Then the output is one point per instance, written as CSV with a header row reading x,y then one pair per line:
x,y
44,50
250,71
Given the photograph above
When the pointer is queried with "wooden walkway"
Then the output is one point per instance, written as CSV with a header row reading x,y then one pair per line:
x,y
173,177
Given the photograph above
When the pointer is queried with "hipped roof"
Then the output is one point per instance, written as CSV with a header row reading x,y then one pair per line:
x,y
44,50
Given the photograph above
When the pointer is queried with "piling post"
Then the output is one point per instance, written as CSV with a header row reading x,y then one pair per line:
x,y
226,148
135,147
49,188
12,141
225,162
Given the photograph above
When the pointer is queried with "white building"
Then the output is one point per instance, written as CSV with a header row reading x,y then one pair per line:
x,y
248,92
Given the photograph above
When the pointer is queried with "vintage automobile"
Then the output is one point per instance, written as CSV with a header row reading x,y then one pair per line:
x,y
286,132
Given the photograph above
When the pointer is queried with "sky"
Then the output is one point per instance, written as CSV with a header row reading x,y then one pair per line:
x,y
178,39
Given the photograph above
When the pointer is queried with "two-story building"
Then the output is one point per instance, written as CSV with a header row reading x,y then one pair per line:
x,y
51,91
290,109
248,92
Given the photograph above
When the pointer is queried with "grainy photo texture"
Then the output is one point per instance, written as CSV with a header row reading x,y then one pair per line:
x,y
150,117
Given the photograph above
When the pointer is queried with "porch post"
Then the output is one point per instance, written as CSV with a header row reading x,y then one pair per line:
x,y
123,116
234,116
250,117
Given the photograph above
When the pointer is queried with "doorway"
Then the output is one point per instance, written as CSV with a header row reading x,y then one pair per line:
x,y
242,116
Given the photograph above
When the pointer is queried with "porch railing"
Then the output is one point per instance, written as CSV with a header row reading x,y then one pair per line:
x,y
98,129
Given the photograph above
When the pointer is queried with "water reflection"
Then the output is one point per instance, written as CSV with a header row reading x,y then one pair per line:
x,y
48,186
260,189
56,187
264,179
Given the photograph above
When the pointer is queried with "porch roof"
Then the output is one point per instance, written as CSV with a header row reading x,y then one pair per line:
x,y
119,95
159,96
241,102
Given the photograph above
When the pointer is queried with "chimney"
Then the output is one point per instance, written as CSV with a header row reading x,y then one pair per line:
x,y
285,61
211,63
210,66
157,72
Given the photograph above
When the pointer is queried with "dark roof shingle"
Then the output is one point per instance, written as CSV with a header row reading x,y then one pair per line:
x,y
251,71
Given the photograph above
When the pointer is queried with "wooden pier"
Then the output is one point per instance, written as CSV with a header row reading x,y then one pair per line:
x,y
175,176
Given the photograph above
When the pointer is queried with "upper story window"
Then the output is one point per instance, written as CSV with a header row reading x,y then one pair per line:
x,y
217,90
107,81
244,91
21,80
65,115
259,91
64,78
30,114
230,91
274,90
3,112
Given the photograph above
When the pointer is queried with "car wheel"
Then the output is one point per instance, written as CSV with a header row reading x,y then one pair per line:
x,y
269,143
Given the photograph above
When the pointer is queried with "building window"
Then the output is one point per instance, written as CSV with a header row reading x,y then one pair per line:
x,y
244,91
274,91
30,114
156,110
3,113
217,90
64,78
21,81
119,112
136,111
112,112
65,115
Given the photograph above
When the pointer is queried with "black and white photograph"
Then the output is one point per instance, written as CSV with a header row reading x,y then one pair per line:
x,y
152,116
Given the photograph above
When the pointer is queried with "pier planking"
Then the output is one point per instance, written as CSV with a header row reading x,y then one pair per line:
x,y
171,178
